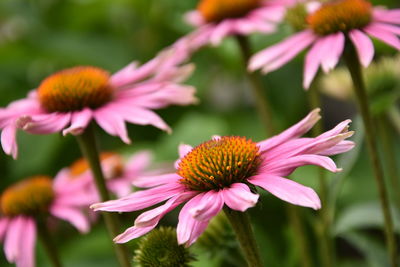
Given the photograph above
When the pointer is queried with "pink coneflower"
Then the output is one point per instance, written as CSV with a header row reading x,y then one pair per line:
x,y
70,99
29,203
219,172
329,28
120,176
217,19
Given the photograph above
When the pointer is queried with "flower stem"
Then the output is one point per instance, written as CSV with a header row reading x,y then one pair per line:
x,y
47,243
241,226
87,143
354,66
263,107
394,116
323,227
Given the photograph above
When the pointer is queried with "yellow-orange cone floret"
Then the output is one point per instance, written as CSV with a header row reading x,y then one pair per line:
x,y
115,165
219,163
32,196
217,10
340,16
74,89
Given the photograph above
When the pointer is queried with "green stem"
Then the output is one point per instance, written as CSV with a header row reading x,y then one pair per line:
x,y
394,116
263,107
87,143
354,66
241,226
390,158
47,243
324,226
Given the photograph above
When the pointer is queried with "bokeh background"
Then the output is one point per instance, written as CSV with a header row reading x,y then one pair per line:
x,y
39,37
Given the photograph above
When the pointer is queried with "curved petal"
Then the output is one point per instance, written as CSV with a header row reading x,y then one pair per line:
x,y
132,233
15,238
331,56
112,123
79,122
209,206
4,222
383,35
364,46
27,249
47,123
239,197
72,215
150,181
288,190
8,140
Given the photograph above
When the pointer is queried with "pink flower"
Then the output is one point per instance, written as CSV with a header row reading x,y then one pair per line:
x,y
219,172
120,176
329,28
28,201
217,19
69,100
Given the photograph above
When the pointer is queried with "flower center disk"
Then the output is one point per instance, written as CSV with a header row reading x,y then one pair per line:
x,y
217,10
112,164
74,89
340,16
218,163
31,196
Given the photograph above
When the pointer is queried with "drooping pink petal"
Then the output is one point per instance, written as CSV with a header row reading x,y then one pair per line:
x,y
286,166
15,237
388,16
340,148
295,131
8,140
239,197
194,18
312,61
141,199
155,180
189,229
331,57
364,46
220,31
112,123
47,123
132,233
282,52
383,35
27,245
72,215
79,121
209,206
288,190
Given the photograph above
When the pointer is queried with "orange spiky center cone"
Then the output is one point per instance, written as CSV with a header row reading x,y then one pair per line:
x,y
217,10
32,196
218,163
75,89
115,165
340,16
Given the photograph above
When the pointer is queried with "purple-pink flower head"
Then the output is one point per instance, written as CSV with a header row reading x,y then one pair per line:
x,y
28,201
218,173
67,101
329,27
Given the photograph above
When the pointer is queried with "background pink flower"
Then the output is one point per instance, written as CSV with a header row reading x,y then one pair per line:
x,y
69,100
328,29
28,201
219,172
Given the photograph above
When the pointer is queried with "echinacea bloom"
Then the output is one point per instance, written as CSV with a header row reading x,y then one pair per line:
x,y
218,172
217,19
120,176
69,100
26,203
329,28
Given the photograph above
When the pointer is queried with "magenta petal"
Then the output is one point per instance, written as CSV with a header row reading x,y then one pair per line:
x,y
288,190
341,147
239,197
112,123
331,57
132,233
72,215
15,237
142,199
209,206
150,181
388,16
220,31
27,246
364,46
295,131
383,35
189,229
47,123
79,122
286,166
312,62
8,140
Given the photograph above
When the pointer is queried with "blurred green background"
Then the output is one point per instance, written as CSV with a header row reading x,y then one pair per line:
x,y
38,37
